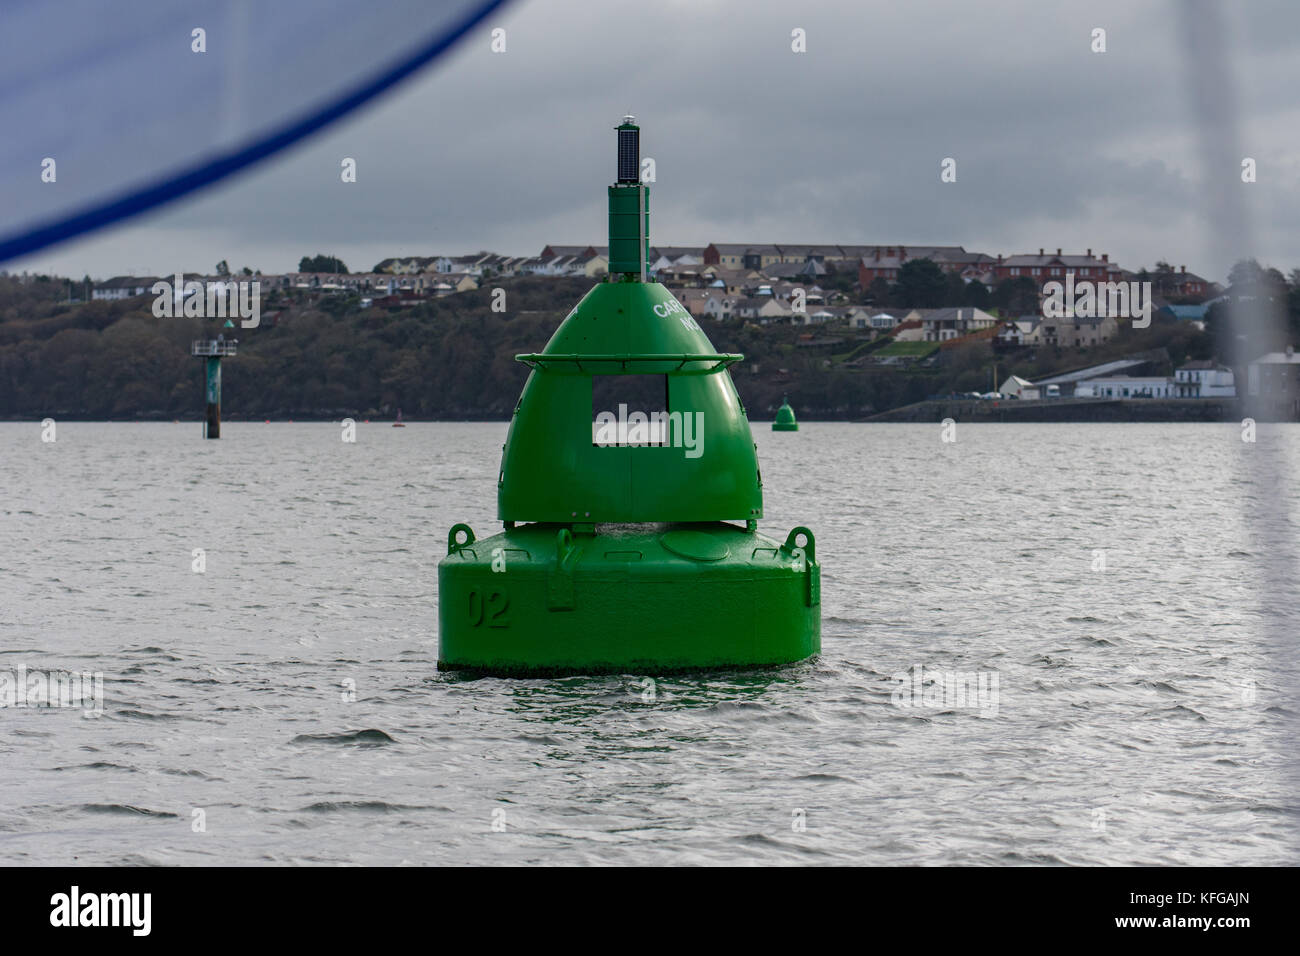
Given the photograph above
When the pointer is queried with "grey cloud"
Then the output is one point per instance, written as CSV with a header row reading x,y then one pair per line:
x,y
753,142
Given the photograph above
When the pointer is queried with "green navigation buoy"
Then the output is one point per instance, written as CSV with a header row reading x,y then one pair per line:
x,y
785,421
630,494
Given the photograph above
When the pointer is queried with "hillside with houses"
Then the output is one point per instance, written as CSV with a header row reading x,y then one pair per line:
x,y
846,330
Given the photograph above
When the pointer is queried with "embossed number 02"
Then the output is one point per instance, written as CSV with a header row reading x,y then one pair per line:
x,y
493,609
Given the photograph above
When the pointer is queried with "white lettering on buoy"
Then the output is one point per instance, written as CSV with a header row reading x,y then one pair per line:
x,y
665,309
673,307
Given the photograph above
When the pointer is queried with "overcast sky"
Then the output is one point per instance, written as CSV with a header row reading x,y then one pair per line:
x,y
1056,146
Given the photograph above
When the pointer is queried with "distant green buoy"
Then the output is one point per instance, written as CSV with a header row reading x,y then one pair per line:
x,y
785,421
630,542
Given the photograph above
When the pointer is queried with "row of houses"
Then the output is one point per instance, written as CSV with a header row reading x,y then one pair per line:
x,y
754,282
553,260
1124,378
373,284
776,303
1274,377
586,261
128,287
739,268
885,261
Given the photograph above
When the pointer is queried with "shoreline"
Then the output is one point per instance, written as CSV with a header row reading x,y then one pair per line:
x,y
1047,411
1074,410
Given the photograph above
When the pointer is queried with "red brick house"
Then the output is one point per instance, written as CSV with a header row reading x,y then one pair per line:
x,y
1181,284
1045,267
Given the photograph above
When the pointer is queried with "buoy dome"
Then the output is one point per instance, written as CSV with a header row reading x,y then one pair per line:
x,y
704,467
785,420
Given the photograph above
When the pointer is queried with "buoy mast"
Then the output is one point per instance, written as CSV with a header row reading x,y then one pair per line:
x,y
629,208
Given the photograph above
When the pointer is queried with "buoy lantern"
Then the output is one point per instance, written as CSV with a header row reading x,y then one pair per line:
x,y
785,421
630,494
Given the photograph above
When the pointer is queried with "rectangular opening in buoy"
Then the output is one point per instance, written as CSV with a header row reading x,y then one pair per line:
x,y
629,410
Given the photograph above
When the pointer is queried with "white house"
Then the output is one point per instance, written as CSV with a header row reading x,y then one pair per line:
x,y
720,306
1205,379
940,325
1017,332
881,321
596,265
672,256
123,287
409,266
814,315
857,317
695,301
766,309
1127,386
571,265
1014,387
909,331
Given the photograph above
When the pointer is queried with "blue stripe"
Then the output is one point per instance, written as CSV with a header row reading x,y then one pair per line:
x,y
211,172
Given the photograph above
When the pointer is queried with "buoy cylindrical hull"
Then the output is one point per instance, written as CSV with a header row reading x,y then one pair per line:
x,y
539,599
